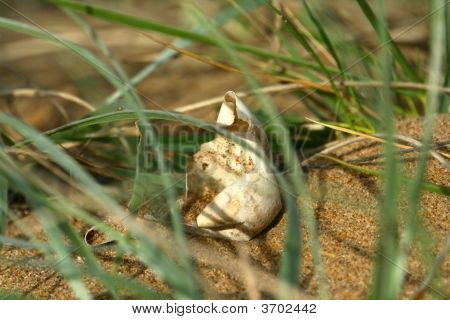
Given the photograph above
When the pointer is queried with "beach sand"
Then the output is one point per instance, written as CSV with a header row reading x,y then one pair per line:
x,y
346,205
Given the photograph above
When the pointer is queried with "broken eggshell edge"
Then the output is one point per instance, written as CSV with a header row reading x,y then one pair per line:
x,y
248,196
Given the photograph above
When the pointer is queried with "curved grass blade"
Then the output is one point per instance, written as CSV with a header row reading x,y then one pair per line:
x,y
293,188
342,70
85,54
385,272
64,260
99,65
56,226
380,27
3,205
225,15
291,26
130,93
444,101
324,37
434,78
150,253
433,272
147,24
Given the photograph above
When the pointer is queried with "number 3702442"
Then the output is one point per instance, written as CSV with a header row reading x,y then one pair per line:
x,y
288,308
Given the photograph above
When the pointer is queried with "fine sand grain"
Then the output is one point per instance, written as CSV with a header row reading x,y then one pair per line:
x,y
346,207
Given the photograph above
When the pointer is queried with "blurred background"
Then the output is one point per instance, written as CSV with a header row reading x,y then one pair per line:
x,y
28,62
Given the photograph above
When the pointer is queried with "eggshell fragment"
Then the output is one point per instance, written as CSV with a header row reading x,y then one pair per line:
x,y
248,198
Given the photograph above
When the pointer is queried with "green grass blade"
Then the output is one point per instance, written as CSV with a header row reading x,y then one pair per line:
x,y
293,187
292,248
432,106
91,122
385,272
89,258
99,65
147,24
342,71
301,38
383,33
25,244
150,254
147,251
434,271
293,235
147,136
83,53
130,93
324,36
131,286
64,264
142,164
3,199
444,101
149,140
3,204
221,18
